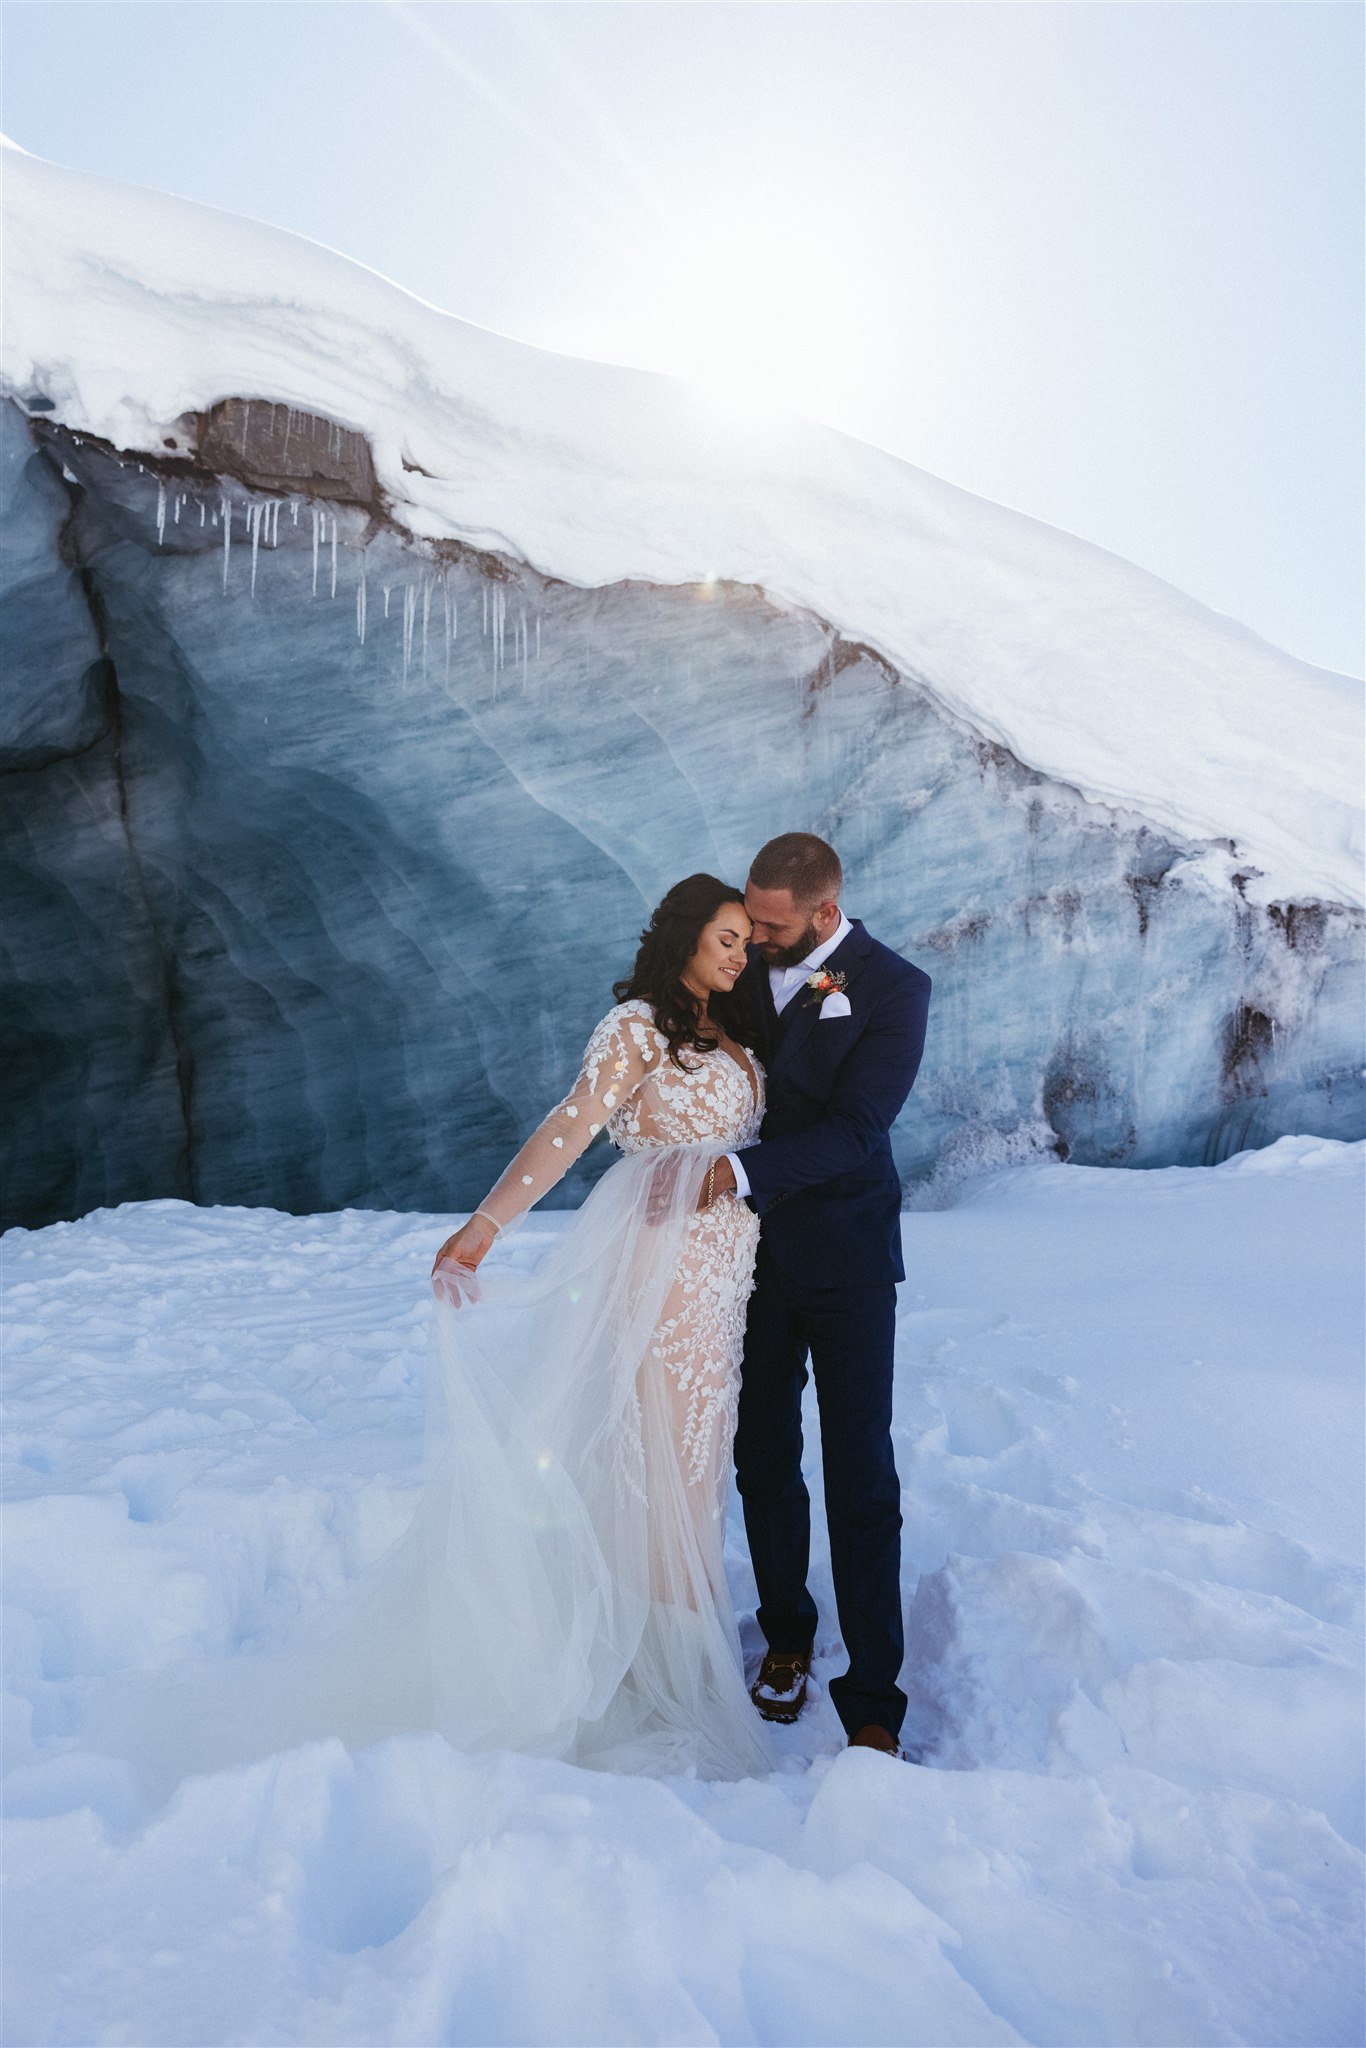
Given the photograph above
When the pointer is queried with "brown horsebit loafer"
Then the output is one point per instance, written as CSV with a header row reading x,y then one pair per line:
x,y
873,1737
779,1692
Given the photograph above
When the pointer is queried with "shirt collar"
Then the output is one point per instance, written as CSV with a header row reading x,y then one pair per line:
x,y
821,953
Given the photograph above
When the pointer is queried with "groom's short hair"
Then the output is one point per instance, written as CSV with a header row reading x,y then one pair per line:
x,y
800,862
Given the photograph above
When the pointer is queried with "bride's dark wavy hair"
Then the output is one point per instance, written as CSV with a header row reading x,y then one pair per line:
x,y
666,946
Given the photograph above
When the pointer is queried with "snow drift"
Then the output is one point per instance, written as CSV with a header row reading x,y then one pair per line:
x,y
1128,1425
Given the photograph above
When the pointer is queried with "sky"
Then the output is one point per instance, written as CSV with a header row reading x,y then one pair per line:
x,y
1097,260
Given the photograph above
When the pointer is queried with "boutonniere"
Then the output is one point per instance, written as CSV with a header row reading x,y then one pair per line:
x,y
822,983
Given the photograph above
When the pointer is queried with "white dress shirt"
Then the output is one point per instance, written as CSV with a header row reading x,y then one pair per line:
x,y
784,982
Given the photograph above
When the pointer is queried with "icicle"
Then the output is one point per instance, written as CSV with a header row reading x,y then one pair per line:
x,y
314,511
227,536
486,611
179,501
426,611
202,509
161,513
538,636
334,554
360,608
409,617
294,508
255,515
387,588
526,642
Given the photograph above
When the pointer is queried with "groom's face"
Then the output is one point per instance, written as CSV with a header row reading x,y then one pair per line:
x,y
784,931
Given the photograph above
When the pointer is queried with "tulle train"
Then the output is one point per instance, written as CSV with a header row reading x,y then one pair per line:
x,y
559,1590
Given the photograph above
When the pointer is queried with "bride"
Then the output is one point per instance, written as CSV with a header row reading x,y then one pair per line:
x,y
561,1588
603,1389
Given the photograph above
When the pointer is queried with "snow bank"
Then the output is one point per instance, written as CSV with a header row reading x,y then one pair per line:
x,y
1129,1428
127,307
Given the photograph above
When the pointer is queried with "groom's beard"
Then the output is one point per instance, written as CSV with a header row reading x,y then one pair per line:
x,y
790,956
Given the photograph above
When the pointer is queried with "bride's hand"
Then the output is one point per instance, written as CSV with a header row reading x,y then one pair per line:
x,y
462,1251
720,1182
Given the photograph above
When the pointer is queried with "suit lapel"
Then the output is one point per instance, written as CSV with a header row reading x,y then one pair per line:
x,y
756,976
847,959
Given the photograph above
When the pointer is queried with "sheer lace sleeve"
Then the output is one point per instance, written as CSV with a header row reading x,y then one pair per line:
x,y
618,1058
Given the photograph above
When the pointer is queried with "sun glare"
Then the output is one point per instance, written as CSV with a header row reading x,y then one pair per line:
x,y
756,306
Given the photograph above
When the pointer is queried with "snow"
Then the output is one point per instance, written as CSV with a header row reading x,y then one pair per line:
x,y
127,307
1129,1430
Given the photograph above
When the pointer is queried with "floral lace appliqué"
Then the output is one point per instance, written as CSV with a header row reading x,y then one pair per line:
x,y
629,1084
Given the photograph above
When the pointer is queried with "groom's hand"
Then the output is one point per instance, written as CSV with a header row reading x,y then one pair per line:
x,y
721,1182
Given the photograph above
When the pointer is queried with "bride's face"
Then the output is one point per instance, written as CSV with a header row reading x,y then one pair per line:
x,y
720,954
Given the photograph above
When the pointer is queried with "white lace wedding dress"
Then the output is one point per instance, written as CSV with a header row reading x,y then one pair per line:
x,y
561,1589
624,1349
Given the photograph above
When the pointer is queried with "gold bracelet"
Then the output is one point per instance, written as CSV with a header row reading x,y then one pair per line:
x,y
711,1184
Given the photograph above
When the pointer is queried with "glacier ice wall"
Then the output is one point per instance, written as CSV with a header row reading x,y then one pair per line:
x,y
323,847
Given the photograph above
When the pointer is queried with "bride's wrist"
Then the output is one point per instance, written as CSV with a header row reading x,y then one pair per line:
x,y
484,1217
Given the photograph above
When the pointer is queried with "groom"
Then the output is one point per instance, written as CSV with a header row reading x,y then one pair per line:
x,y
842,1027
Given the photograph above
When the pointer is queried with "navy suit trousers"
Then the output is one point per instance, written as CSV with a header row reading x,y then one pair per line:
x,y
847,1333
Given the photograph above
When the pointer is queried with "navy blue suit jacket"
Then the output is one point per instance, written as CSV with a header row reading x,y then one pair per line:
x,y
822,1176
